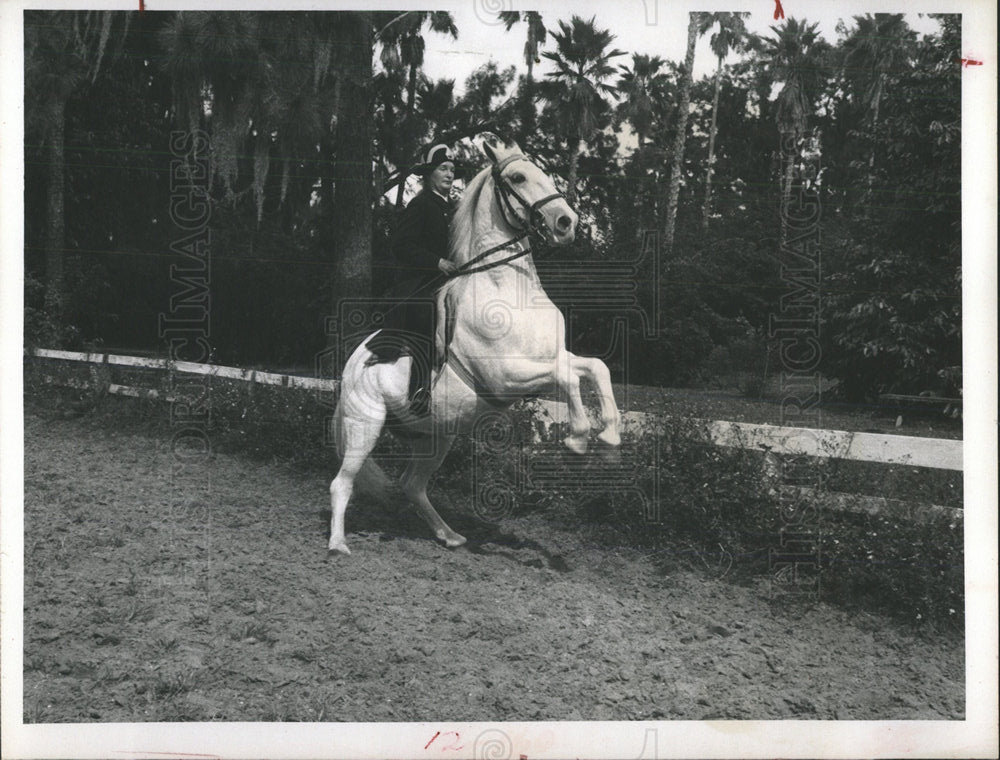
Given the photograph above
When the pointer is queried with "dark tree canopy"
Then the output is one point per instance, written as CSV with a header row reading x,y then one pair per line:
x,y
309,116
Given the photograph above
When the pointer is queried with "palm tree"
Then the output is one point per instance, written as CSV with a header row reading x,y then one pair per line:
x,y
535,38
241,77
230,73
577,88
403,45
731,35
881,45
698,24
795,57
436,101
482,87
641,86
63,54
536,34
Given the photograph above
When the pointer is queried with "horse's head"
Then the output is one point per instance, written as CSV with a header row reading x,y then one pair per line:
x,y
526,194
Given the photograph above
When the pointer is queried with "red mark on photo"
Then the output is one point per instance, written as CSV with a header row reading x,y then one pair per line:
x,y
779,12
169,754
453,746
966,62
142,5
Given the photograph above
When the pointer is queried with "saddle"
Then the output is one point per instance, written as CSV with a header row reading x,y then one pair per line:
x,y
417,338
424,336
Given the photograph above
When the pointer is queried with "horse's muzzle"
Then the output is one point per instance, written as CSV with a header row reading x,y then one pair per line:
x,y
564,229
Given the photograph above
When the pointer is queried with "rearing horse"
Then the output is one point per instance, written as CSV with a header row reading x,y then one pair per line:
x,y
508,341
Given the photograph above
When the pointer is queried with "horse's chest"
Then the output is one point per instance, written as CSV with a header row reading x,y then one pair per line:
x,y
515,316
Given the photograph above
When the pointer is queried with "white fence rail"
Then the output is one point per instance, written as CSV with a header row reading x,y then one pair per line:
x,y
938,453
213,370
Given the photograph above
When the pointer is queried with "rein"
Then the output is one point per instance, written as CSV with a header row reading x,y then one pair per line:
x,y
504,192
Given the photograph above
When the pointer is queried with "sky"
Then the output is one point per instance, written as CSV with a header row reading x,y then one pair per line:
x,y
654,27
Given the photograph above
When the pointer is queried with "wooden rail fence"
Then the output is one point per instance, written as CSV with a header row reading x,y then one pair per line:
x,y
775,441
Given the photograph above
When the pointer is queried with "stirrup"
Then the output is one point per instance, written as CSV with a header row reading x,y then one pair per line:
x,y
420,402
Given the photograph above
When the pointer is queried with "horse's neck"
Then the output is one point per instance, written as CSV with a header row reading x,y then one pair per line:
x,y
491,229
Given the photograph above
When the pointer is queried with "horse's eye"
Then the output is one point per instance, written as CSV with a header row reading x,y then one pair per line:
x,y
517,178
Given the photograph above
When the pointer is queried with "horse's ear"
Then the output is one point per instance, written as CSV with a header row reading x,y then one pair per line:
x,y
489,143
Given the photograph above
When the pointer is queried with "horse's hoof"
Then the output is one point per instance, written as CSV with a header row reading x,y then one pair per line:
x,y
609,438
338,546
454,541
578,445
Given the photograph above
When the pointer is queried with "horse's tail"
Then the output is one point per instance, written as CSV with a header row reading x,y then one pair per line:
x,y
371,479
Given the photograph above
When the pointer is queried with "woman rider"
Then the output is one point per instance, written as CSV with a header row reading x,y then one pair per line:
x,y
420,247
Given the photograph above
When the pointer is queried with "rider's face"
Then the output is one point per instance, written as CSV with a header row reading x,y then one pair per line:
x,y
441,178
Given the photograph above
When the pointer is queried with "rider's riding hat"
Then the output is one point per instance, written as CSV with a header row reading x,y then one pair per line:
x,y
432,157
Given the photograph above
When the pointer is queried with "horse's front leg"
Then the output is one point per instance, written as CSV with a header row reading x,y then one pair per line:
x,y
597,372
415,479
568,382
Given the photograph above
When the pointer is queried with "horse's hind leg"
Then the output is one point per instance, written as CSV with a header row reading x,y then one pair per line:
x,y
356,437
415,479
597,372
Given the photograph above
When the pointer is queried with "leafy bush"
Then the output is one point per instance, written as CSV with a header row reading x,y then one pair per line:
x,y
41,329
893,323
914,570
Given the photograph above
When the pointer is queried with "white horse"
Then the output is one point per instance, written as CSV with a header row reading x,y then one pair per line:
x,y
507,341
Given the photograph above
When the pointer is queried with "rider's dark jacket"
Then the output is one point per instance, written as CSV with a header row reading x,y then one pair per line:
x,y
421,238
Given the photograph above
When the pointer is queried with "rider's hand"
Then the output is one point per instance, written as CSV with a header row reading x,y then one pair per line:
x,y
448,267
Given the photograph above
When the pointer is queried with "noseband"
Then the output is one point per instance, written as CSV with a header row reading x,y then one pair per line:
x,y
532,226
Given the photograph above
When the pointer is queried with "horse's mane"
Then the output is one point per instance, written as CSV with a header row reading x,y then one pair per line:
x,y
462,230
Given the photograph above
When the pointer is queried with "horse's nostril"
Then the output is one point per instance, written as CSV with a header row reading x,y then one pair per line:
x,y
564,223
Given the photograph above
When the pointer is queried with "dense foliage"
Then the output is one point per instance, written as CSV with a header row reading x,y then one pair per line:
x,y
877,110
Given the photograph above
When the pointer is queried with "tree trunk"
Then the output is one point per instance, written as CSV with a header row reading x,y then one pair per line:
x,y
411,95
787,176
574,163
707,210
871,161
353,166
682,120
528,109
55,236
528,106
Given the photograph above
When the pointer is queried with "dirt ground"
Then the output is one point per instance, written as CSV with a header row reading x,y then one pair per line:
x,y
163,591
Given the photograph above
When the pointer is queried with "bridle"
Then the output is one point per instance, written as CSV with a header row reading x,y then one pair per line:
x,y
532,227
